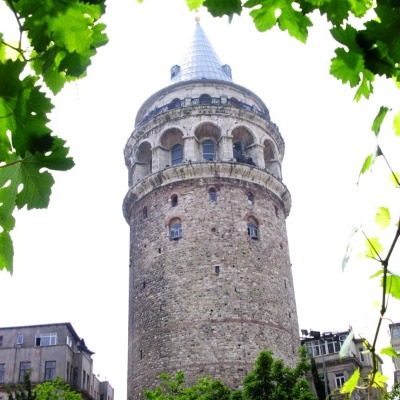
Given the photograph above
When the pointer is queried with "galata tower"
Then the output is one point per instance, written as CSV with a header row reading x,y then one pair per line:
x,y
210,275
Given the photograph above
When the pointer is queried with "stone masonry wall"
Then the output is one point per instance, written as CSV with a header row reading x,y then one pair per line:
x,y
208,303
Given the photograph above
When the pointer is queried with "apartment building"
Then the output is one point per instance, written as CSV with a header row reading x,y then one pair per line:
x,y
334,371
47,351
394,330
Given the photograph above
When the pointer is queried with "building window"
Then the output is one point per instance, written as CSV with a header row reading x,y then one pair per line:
x,y
75,377
1,341
69,341
252,229
205,99
144,212
24,368
250,198
49,370
361,350
2,371
339,379
212,194
208,147
68,378
46,339
174,200
176,154
175,230
20,339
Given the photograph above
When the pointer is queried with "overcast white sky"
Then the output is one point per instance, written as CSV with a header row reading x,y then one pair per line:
x,y
71,261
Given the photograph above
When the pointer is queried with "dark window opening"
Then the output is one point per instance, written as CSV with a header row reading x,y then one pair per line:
x,y
212,194
144,212
176,154
174,200
175,232
205,99
208,147
252,230
250,198
49,370
217,270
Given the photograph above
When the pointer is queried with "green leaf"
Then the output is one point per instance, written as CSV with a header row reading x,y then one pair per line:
x,y
194,4
365,88
392,285
378,380
294,22
369,161
280,12
389,351
374,248
64,36
396,124
382,217
6,252
376,125
218,8
351,384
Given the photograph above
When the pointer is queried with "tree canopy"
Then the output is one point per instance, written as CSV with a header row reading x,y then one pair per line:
x,y
269,379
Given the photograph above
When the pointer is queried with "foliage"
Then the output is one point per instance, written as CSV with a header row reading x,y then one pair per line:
x,y
175,388
269,380
55,43
22,392
318,384
55,390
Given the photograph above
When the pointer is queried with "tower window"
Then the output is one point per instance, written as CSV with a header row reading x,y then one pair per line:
x,y
250,198
212,194
144,212
205,99
175,231
208,147
252,229
174,200
176,154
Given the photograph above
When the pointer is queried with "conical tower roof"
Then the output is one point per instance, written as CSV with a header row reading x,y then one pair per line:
x,y
200,61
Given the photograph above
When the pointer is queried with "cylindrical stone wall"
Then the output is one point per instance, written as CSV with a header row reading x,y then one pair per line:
x,y
206,304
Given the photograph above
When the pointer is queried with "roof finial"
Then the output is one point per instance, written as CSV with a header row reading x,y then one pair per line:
x,y
197,16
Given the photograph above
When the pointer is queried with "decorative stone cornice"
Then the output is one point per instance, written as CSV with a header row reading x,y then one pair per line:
x,y
207,169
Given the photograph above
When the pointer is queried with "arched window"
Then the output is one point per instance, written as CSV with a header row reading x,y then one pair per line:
x,y
174,200
212,194
252,229
176,154
175,229
250,198
208,148
205,99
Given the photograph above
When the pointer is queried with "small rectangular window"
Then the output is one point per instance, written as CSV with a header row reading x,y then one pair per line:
x,y
24,368
339,379
49,370
20,339
1,341
46,339
2,371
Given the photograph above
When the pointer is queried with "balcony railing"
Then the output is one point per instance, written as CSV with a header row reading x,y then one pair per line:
x,y
203,101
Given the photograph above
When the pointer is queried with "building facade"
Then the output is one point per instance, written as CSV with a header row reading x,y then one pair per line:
x,y
394,330
210,274
334,369
45,352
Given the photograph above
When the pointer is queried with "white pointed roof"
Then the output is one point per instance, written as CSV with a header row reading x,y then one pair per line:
x,y
200,61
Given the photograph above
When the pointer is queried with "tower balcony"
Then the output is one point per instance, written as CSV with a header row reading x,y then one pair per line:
x,y
223,170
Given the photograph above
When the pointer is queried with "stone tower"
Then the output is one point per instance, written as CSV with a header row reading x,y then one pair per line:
x,y
210,276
